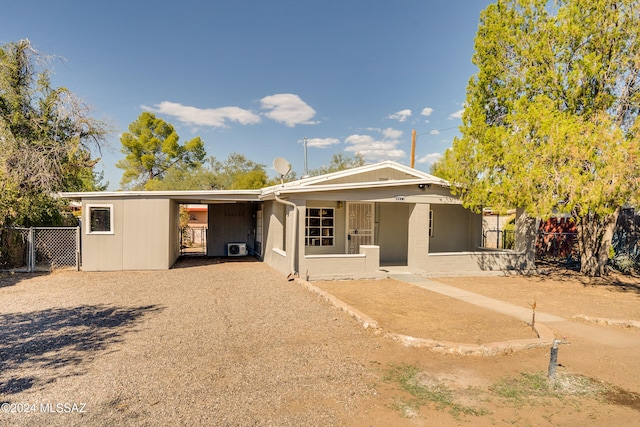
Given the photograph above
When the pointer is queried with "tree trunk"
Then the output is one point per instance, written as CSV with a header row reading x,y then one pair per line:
x,y
594,240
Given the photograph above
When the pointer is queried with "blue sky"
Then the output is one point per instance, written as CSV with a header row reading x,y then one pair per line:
x,y
257,77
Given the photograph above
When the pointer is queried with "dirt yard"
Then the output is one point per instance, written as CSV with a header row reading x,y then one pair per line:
x,y
235,343
409,310
602,329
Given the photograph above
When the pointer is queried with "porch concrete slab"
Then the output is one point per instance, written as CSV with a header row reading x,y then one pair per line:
x,y
518,312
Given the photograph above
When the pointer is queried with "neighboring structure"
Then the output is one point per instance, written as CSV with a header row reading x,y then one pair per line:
x,y
356,223
496,233
197,215
194,234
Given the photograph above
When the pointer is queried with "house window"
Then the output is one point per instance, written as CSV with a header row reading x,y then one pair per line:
x,y
99,219
319,227
430,223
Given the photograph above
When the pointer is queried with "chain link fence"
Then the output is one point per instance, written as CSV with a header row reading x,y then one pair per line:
x,y
39,248
558,242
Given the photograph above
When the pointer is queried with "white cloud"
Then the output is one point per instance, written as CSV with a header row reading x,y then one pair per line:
x,y
426,111
456,115
401,116
434,132
390,133
322,142
429,158
376,149
213,117
288,108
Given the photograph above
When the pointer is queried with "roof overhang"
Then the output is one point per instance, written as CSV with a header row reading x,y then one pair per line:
x,y
269,193
189,196
324,184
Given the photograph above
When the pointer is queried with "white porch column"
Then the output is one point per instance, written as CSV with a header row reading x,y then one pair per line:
x,y
418,240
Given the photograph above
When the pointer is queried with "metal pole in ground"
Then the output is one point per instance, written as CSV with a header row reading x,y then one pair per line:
x,y
553,358
31,258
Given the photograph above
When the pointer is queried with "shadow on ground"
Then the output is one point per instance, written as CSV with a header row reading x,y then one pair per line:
x,y
616,281
35,346
187,261
11,279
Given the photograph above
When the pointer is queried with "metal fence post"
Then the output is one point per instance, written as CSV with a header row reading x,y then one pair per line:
x,y
31,258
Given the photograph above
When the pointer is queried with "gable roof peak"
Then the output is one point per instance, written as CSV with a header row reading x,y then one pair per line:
x,y
412,174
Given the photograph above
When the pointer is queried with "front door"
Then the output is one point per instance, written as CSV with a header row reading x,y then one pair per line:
x,y
360,225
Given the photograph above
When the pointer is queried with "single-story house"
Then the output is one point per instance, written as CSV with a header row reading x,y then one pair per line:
x,y
357,223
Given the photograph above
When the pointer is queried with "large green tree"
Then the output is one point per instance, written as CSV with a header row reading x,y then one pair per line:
x,y
181,177
551,118
152,147
236,172
46,140
339,162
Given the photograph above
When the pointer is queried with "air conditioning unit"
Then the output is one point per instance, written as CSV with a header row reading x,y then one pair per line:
x,y
237,249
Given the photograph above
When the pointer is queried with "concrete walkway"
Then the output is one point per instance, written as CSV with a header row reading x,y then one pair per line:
x,y
566,327
512,310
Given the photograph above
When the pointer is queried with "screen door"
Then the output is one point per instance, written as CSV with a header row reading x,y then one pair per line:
x,y
360,224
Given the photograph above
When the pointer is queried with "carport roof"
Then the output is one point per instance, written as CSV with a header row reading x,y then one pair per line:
x,y
180,196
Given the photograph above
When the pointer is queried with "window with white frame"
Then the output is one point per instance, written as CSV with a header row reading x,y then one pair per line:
x,y
99,219
319,227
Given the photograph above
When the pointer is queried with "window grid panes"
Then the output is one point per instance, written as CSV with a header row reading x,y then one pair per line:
x,y
319,227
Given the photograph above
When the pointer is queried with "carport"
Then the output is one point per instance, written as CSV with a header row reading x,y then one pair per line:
x,y
140,230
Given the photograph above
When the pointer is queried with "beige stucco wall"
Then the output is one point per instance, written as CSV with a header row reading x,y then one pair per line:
x,y
455,229
274,218
471,262
364,265
478,259
392,221
418,237
144,236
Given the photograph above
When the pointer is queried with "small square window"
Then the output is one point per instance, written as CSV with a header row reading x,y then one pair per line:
x,y
99,219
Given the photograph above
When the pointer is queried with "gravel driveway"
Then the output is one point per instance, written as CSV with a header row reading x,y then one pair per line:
x,y
225,344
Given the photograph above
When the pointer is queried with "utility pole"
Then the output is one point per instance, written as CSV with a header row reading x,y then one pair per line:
x,y
306,170
413,148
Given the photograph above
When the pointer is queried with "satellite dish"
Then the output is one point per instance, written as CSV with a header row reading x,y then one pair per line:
x,y
282,166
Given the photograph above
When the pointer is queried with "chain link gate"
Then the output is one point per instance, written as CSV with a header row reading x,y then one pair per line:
x,y
39,248
193,240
